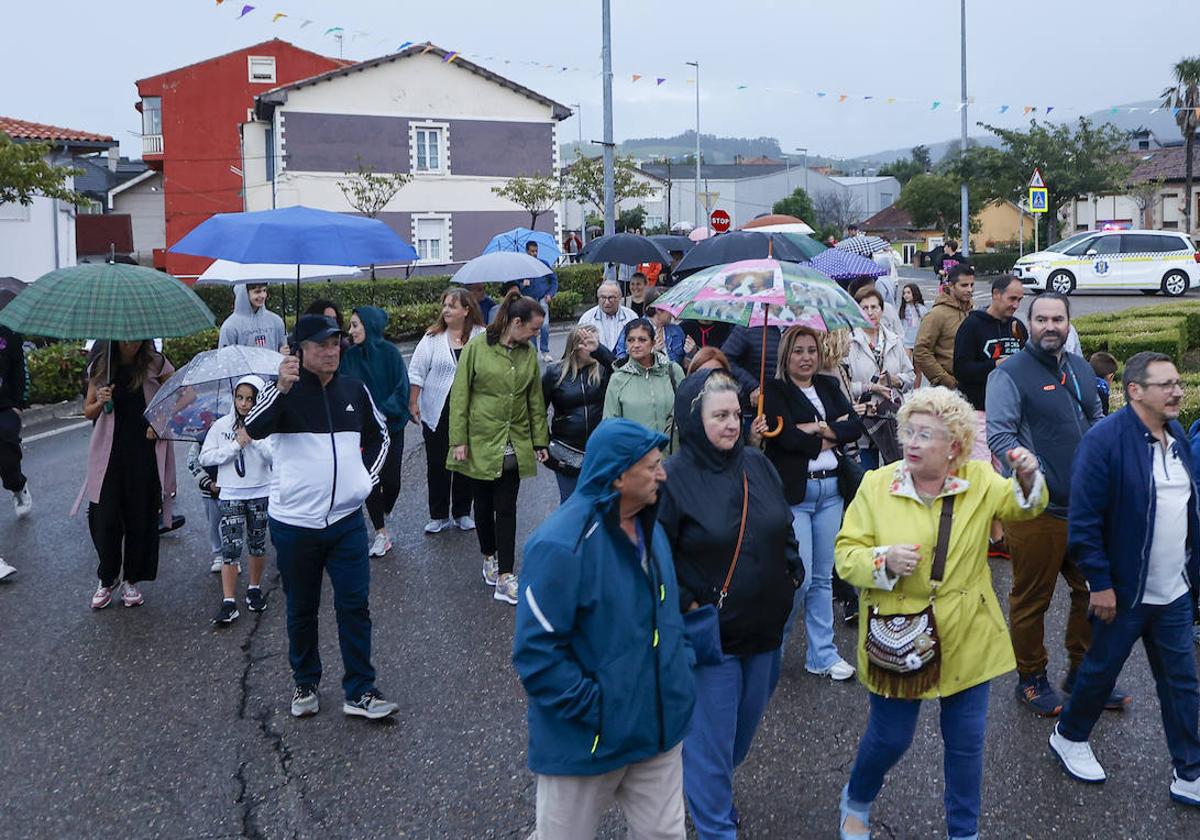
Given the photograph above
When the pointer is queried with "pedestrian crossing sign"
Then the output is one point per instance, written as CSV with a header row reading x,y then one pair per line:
x,y
1038,200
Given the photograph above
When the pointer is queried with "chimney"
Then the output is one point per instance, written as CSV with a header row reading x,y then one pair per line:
x,y
114,156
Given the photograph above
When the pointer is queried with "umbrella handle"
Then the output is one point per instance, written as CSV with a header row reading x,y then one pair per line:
x,y
777,431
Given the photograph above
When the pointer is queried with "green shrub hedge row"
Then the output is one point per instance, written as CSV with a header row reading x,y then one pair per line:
x,y
1172,328
998,263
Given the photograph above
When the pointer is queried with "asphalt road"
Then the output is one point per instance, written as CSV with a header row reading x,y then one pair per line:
x,y
147,722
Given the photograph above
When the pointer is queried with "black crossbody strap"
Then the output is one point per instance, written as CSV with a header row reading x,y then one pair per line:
x,y
943,540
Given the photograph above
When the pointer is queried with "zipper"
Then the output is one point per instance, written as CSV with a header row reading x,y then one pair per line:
x,y
333,446
1149,534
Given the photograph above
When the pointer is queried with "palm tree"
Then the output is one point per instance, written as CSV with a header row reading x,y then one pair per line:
x,y
1184,98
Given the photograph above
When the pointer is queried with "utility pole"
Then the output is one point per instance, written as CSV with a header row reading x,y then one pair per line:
x,y
696,208
805,152
610,204
579,124
965,213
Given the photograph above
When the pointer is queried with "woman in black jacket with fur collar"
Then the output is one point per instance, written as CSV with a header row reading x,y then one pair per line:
x,y
817,417
575,387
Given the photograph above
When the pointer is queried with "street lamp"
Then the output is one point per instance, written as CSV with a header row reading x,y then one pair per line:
x,y
787,165
696,208
964,213
579,124
805,153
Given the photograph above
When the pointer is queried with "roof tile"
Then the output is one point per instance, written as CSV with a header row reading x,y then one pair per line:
x,y
26,130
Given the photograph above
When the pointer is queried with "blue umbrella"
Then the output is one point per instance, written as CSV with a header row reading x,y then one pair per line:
x,y
517,238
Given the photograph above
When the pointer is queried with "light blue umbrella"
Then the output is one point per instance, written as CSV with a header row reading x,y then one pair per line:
x,y
500,267
517,238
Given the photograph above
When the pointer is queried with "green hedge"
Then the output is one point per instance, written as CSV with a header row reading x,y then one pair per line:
x,y
55,372
997,263
1171,328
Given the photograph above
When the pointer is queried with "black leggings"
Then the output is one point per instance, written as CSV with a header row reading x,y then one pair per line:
x,y
10,451
449,492
496,517
383,496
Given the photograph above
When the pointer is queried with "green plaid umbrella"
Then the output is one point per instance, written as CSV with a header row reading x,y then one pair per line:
x,y
107,301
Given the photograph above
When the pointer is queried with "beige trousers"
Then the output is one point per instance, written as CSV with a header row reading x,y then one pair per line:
x,y
649,793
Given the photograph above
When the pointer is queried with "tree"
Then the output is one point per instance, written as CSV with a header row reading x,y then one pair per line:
x,y
933,201
1145,195
905,169
631,220
1184,98
798,204
837,208
368,191
26,172
920,155
585,181
538,194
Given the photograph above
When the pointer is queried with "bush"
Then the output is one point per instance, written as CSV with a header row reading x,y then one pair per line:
x,y
565,306
997,263
55,372
180,351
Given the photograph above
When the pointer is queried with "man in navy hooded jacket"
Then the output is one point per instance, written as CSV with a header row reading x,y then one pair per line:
x,y
1133,527
601,650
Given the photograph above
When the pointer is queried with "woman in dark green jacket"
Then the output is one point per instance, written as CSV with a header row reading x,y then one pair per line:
x,y
498,430
378,364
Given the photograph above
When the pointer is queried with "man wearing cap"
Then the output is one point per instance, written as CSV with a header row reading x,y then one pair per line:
x,y
330,444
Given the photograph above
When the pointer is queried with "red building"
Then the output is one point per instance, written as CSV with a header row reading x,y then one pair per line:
x,y
190,132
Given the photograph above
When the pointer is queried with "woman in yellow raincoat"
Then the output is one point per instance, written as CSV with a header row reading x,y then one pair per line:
x,y
886,548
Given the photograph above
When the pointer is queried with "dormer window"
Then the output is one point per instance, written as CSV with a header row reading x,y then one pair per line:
x,y
261,68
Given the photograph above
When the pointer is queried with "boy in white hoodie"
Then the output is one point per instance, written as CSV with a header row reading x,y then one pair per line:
x,y
244,476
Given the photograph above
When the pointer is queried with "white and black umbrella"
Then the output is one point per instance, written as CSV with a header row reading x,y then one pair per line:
x,y
862,244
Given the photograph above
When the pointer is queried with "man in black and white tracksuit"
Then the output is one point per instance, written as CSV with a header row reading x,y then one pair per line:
x,y
330,443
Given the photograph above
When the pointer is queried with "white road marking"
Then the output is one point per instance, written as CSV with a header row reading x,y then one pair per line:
x,y
42,435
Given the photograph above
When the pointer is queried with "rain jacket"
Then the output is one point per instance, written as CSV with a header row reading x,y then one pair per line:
x,y
599,642
645,395
14,377
976,646
1110,528
496,399
244,477
743,348
379,365
933,351
248,328
701,512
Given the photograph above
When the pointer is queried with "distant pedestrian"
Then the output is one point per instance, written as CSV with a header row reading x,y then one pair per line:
x,y
911,309
915,541
890,317
483,300
244,478
252,324
331,444
130,480
881,375
744,349
1140,568
669,337
706,333
325,306
637,293
933,352
573,388
498,431
14,398
542,289
731,537
378,364
643,387
609,317
945,262
1044,399
600,648
1105,366
430,375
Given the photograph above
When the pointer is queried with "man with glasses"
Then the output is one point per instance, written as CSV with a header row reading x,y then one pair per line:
x,y
609,317
1044,399
1140,568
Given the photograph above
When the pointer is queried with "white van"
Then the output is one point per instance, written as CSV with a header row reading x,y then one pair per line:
x,y
1148,260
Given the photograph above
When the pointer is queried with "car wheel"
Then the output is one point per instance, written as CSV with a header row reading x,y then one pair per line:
x,y
1175,283
1062,282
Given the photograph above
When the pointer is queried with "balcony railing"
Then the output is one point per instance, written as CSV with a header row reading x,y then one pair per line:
x,y
152,144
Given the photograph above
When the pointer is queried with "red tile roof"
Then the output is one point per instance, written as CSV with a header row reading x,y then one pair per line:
x,y
1168,163
889,218
26,130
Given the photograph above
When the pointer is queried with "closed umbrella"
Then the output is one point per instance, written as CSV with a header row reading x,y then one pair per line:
x,y
625,249
500,267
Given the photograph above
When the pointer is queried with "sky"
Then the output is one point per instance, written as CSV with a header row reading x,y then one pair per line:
x,y
881,64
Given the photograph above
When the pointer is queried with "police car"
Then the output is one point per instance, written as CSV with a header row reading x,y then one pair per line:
x,y
1147,260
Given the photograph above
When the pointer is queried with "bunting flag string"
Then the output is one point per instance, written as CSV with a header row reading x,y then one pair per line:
x,y
278,16
245,11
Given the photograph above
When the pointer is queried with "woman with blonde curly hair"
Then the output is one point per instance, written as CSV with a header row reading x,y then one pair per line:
x,y
915,538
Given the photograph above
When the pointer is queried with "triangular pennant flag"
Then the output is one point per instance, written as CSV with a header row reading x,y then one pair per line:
x,y
820,94
1155,110
636,77
935,106
1028,108
961,105
1003,108
741,87
691,81
404,46
275,18
891,100
333,30
219,2
305,23
245,11
842,97
428,47
658,81
1049,108
449,57
868,98
1114,110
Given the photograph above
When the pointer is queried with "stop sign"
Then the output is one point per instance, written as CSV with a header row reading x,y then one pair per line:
x,y
719,221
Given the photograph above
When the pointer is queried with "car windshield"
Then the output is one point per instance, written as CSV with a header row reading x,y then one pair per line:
x,y
1063,246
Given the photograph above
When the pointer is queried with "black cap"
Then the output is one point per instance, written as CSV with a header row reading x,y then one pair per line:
x,y
315,328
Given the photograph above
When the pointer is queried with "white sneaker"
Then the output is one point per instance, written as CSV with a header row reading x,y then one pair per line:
x,y
436,526
1080,762
5,570
464,523
381,546
1184,791
216,565
838,671
491,570
23,502
506,589
131,596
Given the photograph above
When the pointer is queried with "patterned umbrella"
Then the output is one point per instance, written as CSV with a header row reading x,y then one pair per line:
x,y
105,300
845,265
862,244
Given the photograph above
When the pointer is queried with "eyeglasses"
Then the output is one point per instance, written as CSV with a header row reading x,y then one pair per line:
x,y
610,297
907,434
1169,385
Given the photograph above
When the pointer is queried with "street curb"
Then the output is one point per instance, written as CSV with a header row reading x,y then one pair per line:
x,y
43,415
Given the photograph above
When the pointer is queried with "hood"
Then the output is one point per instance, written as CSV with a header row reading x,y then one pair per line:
x,y
661,365
255,382
691,427
615,446
374,321
241,301
946,299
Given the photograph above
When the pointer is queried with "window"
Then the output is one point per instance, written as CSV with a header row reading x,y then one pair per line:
x,y
152,115
429,149
269,152
885,199
653,222
261,68
908,252
432,237
1082,247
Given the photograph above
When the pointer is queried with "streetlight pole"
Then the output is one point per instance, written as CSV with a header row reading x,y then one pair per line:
x,y
696,208
965,213
805,153
579,124
610,209
787,166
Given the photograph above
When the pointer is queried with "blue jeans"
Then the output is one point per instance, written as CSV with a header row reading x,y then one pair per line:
x,y
869,458
730,700
890,728
1166,633
544,334
304,556
566,485
816,521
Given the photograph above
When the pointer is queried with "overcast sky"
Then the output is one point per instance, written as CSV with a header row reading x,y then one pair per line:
x,y
77,68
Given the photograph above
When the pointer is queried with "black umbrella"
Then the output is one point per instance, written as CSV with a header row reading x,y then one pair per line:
x,y
673,242
740,245
625,249
10,287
